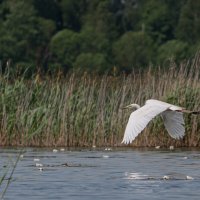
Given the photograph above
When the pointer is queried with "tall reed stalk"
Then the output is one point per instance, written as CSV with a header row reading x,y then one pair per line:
x,y
6,175
84,110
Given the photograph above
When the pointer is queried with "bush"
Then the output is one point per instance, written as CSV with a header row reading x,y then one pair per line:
x,y
133,49
95,62
65,47
175,49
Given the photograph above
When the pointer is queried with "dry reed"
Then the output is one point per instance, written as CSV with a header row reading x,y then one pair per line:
x,y
84,110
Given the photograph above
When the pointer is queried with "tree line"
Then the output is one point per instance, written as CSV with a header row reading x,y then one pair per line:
x,y
97,35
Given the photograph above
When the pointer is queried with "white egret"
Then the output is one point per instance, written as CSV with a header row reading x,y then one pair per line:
x,y
172,116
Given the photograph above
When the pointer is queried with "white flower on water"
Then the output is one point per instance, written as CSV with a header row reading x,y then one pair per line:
x,y
166,177
189,178
62,149
39,165
108,149
105,156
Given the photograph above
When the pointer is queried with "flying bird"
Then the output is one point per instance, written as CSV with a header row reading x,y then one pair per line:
x,y
172,116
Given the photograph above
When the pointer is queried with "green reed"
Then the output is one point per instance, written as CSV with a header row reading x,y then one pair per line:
x,y
84,109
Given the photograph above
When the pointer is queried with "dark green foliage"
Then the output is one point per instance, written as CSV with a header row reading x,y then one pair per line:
x,y
189,24
49,9
173,49
92,41
65,46
19,31
24,35
51,35
71,13
95,62
132,50
160,19
155,16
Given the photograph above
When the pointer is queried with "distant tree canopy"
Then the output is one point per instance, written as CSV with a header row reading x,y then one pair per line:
x,y
97,35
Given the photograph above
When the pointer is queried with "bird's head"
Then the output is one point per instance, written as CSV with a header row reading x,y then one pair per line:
x,y
131,106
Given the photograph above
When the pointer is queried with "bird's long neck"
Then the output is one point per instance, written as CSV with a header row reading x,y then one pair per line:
x,y
191,112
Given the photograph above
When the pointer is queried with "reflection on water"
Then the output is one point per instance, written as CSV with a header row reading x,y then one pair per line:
x,y
101,174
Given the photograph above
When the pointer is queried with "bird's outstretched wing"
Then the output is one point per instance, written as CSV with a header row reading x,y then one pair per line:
x,y
174,123
139,119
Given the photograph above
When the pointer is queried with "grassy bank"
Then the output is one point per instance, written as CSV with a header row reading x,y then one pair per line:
x,y
84,110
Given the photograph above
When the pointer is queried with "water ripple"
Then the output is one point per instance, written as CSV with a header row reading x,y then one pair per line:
x,y
108,174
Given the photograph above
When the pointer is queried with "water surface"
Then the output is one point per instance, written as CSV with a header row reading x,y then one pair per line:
x,y
101,174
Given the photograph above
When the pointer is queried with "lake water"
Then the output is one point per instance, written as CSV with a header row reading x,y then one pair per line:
x,y
101,174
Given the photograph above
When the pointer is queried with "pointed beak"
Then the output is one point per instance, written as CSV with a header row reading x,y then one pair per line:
x,y
126,107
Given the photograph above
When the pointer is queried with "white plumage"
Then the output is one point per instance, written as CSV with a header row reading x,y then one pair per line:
x,y
172,116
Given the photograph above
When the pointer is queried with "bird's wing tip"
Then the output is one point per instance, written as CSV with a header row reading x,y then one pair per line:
x,y
125,141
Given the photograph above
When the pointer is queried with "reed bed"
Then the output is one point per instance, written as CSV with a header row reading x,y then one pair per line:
x,y
84,110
